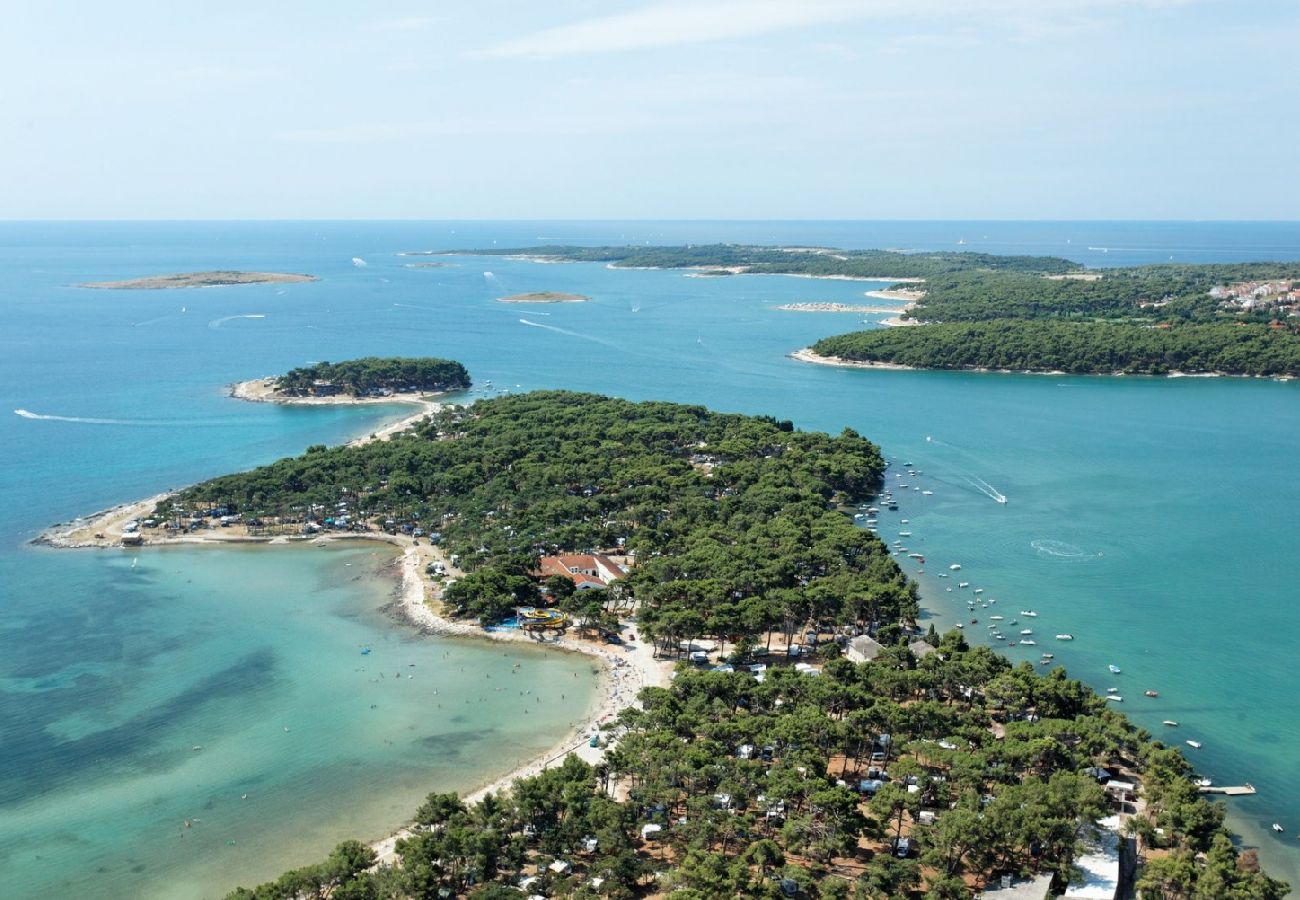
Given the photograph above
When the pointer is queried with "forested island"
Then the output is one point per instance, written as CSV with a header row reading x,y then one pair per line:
x,y
200,279
1035,314
932,768
373,376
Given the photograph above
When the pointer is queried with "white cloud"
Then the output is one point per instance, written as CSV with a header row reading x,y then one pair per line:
x,y
675,22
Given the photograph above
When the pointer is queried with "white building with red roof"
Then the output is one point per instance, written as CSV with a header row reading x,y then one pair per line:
x,y
589,571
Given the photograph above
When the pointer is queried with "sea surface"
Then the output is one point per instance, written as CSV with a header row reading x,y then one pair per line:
x,y
1153,519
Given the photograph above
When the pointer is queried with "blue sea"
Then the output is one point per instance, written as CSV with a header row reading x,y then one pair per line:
x,y
1153,519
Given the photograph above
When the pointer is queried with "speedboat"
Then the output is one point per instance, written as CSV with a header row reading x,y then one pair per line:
x,y
1027,642
1170,722
1115,697
963,584
1195,745
1065,637
1151,693
1026,631
905,534
1278,828
1203,782
979,590
1028,612
955,567
1114,669
1049,656
996,618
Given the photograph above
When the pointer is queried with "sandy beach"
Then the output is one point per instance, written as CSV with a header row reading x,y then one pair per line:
x,y
627,669
808,356
835,308
262,390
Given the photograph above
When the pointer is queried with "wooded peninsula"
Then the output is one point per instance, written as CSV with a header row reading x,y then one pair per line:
x,y
1035,314
930,768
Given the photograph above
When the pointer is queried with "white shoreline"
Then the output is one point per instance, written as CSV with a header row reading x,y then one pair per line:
x,y
807,355
625,674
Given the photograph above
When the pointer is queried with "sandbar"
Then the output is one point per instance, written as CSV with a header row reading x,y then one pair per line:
x,y
836,308
222,278
544,297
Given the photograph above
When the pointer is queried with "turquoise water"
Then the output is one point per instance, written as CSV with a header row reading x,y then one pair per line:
x,y
1152,518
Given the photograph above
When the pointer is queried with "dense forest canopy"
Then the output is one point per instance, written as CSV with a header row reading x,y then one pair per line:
x,y
1148,293
883,264
374,374
726,785
803,786
1096,348
731,518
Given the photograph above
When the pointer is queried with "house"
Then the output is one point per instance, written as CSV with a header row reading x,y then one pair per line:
x,y
863,649
1009,888
920,649
593,571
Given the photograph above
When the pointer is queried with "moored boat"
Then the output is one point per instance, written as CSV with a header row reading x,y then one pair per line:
x,y
1114,669
1195,745
1065,637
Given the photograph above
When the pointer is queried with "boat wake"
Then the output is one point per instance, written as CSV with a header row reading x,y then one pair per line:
x,y
565,331
133,423
1058,549
217,323
985,488
87,420
979,484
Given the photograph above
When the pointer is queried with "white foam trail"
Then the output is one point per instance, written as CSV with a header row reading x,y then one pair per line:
x,y
84,420
151,321
358,262
585,337
985,488
135,423
217,323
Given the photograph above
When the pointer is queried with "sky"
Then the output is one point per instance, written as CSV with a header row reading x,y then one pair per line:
x,y
666,109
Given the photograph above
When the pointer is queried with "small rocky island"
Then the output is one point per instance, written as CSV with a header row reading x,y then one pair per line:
x,y
221,278
544,297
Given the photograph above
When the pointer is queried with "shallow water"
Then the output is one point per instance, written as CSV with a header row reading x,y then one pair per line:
x,y
1152,518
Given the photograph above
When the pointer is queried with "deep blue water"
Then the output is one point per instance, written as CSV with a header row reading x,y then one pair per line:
x,y
1152,518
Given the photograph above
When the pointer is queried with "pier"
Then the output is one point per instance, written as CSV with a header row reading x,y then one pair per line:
x,y
1244,790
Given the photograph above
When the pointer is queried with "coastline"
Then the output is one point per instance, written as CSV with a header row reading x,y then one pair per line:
x,y
836,308
806,354
262,390
624,673
105,528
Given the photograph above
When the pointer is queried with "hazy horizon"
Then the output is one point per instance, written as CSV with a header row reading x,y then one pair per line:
x,y
718,110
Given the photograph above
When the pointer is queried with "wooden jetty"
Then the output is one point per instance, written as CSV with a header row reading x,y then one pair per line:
x,y
1243,790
